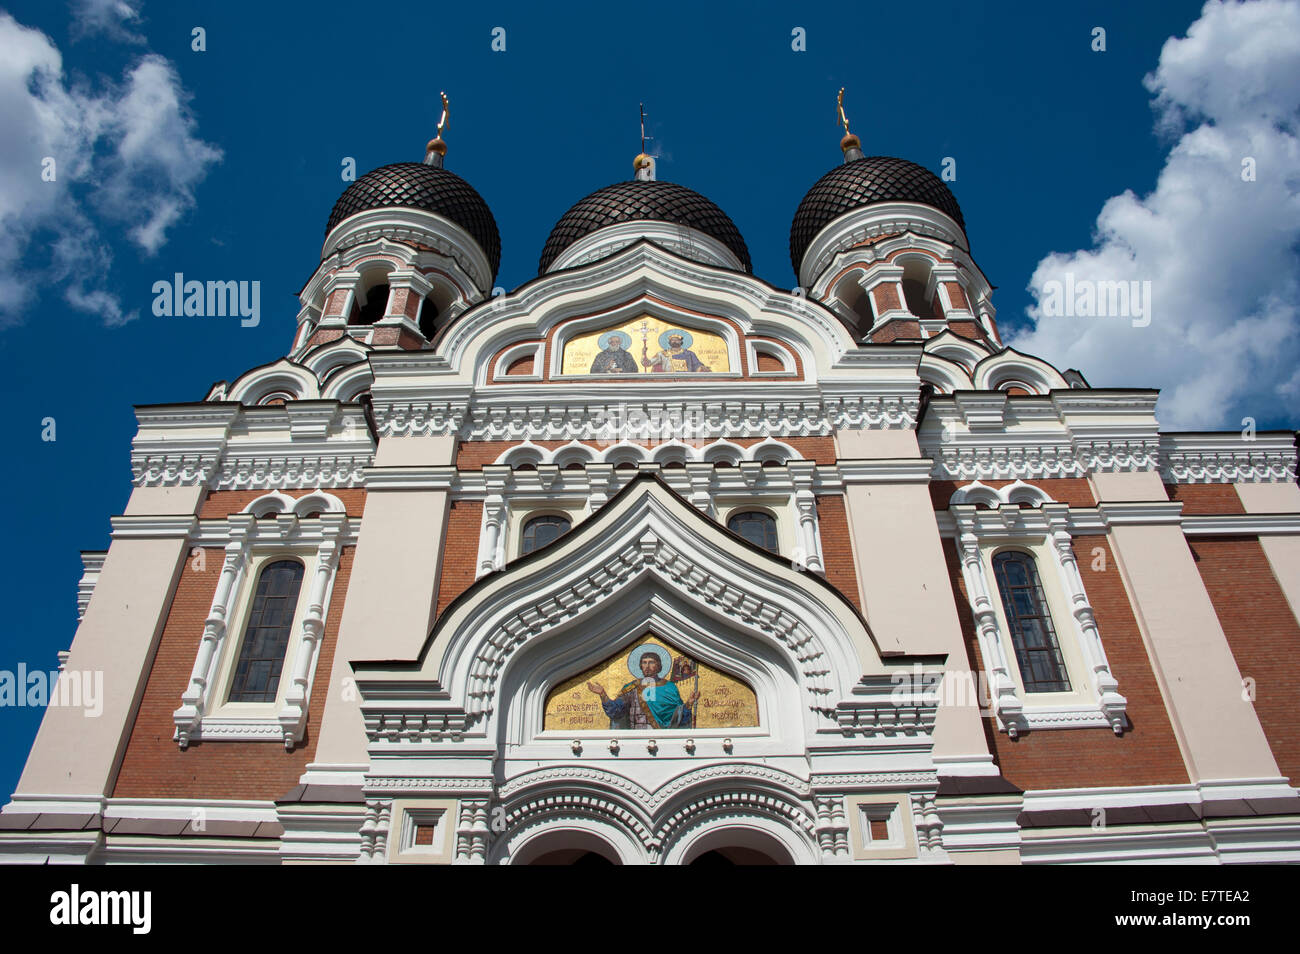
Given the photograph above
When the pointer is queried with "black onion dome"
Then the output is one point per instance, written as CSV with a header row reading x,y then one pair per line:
x,y
643,200
863,182
413,185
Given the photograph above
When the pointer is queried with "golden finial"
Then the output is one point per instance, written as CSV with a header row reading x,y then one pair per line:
x,y
446,111
850,145
436,146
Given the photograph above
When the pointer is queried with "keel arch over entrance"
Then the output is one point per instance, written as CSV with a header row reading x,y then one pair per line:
x,y
648,561
610,630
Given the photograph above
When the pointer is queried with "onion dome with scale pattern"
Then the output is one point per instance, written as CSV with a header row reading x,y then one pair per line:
x,y
861,182
430,188
643,199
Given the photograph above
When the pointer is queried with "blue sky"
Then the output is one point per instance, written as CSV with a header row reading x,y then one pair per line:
x,y
1043,129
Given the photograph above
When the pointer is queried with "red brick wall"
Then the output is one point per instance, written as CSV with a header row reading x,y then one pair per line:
x,y
1262,632
837,550
520,366
897,329
967,329
1147,754
154,765
885,297
769,362
460,550
1075,491
222,503
1206,498
957,296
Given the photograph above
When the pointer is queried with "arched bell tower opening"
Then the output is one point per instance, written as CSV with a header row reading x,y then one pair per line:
x,y
370,297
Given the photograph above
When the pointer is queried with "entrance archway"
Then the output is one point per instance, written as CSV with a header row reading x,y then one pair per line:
x,y
748,841
566,846
734,855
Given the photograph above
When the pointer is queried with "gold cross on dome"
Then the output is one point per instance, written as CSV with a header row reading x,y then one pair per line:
x,y
446,112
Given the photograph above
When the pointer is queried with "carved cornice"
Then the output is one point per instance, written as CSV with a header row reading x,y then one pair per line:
x,y
1003,461
554,418
249,471
841,783
1227,458
389,784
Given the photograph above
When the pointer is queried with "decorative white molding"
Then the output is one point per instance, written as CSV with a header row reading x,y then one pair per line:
x,y
679,239
1107,708
92,562
882,218
1244,524
552,416
381,227
1228,458
149,527
199,717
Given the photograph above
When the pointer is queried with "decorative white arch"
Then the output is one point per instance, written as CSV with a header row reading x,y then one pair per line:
x,y
1010,366
471,707
768,449
649,543
283,375
1017,492
275,502
643,278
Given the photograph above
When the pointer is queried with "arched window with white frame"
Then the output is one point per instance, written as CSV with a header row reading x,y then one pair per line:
x,y
266,635
1029,618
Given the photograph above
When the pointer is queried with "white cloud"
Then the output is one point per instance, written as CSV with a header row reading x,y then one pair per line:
x,y
126,159
1222,254
112,18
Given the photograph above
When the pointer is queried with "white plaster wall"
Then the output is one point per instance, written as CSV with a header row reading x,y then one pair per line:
x,y
1216,725
392,589
75,754
1283,551
903,578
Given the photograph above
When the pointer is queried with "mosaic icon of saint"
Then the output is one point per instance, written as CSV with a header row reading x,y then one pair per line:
x,y
614,358
650,701
675,355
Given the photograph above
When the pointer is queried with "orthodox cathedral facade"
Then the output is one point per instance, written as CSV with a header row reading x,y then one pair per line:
x,y
648,561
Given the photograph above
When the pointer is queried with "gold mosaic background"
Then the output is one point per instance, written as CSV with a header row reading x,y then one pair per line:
x,y
580,351
725,702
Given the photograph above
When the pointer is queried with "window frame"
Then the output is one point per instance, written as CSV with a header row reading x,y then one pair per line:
x,y
1071,658
532,516
219,702
1042,531
741,510
272,528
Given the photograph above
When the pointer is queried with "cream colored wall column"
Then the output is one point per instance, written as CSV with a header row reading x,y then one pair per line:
x,y
1282,550
903,579
1217,730
394,581
77,753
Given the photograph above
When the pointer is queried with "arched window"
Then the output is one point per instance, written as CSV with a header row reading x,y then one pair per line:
x,y
540,531
261,656
916,278
428,317
1038,652
755,526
